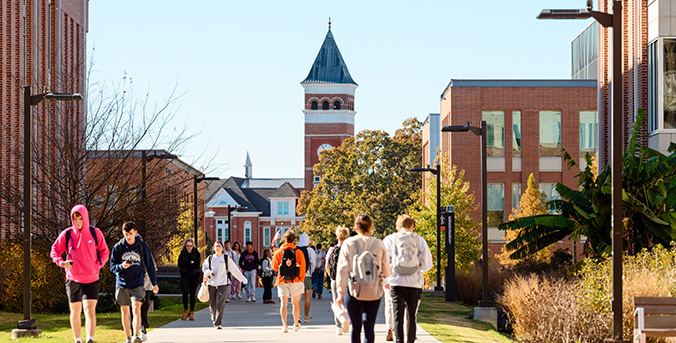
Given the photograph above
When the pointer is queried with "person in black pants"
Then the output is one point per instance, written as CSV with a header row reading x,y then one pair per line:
x,y
189,263
267,275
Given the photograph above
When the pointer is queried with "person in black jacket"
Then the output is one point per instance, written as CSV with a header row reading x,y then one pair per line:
x,y
190,264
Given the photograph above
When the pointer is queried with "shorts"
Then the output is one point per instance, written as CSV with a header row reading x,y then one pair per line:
x,y
77,291
125,296
290,289
308,283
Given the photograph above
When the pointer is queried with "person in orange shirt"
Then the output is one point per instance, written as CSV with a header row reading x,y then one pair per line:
x,y
289,262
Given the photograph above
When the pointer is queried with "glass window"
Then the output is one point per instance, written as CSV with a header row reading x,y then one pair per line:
x,y
219,235
282,208
669,115
516,133
247,232
266,237
314,105
496,204
516,196
325,105
550,191
495,133
653,68
588,130
550,133
336,105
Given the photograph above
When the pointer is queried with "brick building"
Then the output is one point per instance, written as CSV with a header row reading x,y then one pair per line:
x,y
50,57
544,116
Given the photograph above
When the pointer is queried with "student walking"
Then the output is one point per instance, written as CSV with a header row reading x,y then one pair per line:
x,y
248,261
216,268
310,258
362,265
130,259
189,263
342,233
227,250
410,258
86,253
289,262
318,273
236,286
145,306
266,276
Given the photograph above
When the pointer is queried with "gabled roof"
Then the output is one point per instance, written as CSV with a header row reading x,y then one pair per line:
x,y
329,66
285,191
233,192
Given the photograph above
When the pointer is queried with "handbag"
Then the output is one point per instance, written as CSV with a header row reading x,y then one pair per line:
x,y
203,293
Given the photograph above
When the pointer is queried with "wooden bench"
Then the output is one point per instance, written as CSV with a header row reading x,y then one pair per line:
x,y
654,317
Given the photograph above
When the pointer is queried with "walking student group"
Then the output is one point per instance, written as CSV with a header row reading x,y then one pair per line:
x,y
361,270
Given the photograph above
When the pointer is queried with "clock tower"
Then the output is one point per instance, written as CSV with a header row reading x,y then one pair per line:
x,y
328,106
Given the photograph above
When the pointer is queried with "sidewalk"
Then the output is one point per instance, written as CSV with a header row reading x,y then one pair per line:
x,y
258,322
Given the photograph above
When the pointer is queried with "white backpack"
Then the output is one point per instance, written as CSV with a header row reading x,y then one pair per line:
x,y
366,279
406,259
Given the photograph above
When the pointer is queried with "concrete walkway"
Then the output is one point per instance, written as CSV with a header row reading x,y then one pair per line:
x,y
258,322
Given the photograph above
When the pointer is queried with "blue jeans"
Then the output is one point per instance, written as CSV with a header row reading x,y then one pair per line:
x,y
250,276
318,281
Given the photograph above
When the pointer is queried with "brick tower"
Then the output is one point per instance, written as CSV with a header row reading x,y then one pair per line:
x,y
329,105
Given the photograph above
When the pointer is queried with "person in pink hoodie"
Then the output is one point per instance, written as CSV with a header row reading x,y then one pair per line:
x,y
85,252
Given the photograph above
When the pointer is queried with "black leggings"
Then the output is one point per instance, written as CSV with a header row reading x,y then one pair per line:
x,y
356,309
189,287
267,285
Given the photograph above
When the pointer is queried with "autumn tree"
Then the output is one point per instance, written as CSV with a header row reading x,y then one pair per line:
x,y
368,173
184,230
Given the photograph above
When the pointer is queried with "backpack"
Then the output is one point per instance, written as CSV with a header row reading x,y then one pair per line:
x,y
225,257
320,260
308,264
289,269
333,262
259,268
406,259
92,229
366,282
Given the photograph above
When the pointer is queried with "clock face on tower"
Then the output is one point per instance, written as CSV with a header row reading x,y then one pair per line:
x,y
323,147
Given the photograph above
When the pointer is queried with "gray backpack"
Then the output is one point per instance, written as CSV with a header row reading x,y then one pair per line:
x,y
406,259
366,281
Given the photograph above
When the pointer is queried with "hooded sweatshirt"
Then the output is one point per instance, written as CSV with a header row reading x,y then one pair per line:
x,y
133,276
81,250
300,260
304,241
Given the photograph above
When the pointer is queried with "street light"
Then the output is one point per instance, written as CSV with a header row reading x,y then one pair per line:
x,y
230,209
31,100
436,172
145,158
613,20
197,180
480,131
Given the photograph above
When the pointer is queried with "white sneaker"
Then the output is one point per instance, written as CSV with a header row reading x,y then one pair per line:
x,y
297,326
339,332
227,300
143,336
285,329
239,296
253,298
248,300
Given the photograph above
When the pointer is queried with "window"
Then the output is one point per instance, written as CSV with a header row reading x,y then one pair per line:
x,y
653,68
669,83
516,133
266,237
516,196
336,105
222,230
314,105
282,208
495,133
550,133
588,130
550,191
496,204
247,232
325,105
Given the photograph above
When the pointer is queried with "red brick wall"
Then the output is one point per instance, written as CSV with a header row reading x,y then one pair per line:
x,y
346,101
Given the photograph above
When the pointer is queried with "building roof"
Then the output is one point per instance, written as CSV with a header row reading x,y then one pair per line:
x,y
555,83
329,66
255,199
285,191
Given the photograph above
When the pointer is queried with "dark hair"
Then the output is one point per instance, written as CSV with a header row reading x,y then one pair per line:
x,y
249,242
319,246
363,223
265,252
226,242
128,226
239,245
289,236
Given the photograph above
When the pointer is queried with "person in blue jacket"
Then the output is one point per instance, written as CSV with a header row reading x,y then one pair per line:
x,y
130,259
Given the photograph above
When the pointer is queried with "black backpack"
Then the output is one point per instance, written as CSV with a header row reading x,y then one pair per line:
x,y
307,259
289,268
333,262
92,229
259,268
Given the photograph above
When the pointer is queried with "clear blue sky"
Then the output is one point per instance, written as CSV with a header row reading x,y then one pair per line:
x,y
239,63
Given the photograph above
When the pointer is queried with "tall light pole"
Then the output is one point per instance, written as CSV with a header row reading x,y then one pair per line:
x,y
436,172
480,131
145,158
613,20
31,100
197,179
230,209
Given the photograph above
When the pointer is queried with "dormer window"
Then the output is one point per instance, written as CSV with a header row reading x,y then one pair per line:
x,y
336,105
314,105
282,208
325,105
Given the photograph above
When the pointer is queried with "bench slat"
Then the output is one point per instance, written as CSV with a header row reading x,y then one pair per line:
x,y
656,301
653,310
660,323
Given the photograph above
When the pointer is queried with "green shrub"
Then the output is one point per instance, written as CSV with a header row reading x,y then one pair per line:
x,y
169,287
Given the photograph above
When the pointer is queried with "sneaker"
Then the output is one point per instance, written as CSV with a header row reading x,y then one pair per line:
x,y
339,332
285,329
248,300
319,296
219,327
91,340
253,298
271,301
137,339
239,296
227,300
297,326
389,337
143,336
314,292
346,328
307,318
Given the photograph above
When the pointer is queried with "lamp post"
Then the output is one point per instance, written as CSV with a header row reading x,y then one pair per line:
x,y
145,158
436,172
480,131
230,209
613,20
31,100
197,180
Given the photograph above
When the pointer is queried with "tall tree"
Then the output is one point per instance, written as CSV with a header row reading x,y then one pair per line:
x,y
369,173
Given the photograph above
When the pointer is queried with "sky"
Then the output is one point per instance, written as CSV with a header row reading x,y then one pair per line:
x,y
237,65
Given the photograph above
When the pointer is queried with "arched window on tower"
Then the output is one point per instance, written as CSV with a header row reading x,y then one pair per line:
x,y
314,105
336,105
325,105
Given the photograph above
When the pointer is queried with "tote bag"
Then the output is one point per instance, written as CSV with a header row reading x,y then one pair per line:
x,y
203,293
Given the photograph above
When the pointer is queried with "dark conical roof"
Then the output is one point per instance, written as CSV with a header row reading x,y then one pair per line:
x,y
329,65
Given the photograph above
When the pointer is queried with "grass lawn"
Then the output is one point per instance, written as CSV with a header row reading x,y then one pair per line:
x,y
447,322
56,327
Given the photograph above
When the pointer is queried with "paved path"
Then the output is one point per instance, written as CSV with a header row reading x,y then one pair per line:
x,y
258,322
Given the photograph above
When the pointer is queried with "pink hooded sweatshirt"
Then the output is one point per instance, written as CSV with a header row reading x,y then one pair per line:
x,y
81,250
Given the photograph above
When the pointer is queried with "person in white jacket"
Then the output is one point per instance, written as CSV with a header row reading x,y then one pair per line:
x,y
216,268
410,257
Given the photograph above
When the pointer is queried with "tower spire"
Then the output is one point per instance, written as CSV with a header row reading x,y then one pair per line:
x,y
329,23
